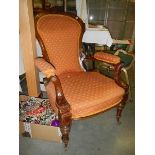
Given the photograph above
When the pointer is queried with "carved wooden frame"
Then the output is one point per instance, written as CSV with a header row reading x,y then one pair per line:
x,y
63,106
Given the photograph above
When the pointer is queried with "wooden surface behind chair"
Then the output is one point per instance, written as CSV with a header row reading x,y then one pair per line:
x,y
73,93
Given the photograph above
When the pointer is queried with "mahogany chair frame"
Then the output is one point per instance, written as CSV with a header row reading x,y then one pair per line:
x,y
64,114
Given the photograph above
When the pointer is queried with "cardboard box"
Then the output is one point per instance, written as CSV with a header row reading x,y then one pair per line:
x,y
38,131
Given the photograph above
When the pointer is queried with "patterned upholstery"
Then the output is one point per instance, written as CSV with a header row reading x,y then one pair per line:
x,y
61,39
47,69
109,58
125,58
88,93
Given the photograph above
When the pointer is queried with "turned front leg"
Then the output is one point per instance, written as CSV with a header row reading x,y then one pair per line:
x,y
65,125
121,106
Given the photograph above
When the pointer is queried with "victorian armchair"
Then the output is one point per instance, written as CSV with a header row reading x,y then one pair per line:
x,y
73,93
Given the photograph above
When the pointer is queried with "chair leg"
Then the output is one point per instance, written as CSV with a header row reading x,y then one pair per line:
x,y
121,106
128,82
65,125
119,112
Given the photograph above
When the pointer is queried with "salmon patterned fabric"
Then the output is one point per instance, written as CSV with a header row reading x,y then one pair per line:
x,y
60,35
47,69
89,93
106,57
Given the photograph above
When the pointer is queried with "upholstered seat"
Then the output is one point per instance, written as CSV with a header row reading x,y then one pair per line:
x,y
89,92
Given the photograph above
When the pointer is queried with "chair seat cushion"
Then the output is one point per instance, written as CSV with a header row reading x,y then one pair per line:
x,y
89,93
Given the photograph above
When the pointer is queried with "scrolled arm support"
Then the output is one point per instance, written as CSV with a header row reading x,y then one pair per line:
x,y
117,72
60,98
65,116
61,102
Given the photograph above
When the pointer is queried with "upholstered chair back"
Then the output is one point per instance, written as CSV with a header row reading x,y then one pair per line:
x,y
61,36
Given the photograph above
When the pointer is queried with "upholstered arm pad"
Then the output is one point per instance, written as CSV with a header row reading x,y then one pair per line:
x,y
47,69
106,57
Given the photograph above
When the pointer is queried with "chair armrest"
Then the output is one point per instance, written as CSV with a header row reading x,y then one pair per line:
x,y
45,67
50,73
115,61
117,73
108,58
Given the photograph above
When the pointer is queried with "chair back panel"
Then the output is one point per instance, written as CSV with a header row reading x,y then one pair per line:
x,y
61,37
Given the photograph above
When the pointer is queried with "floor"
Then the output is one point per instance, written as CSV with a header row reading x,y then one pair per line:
x,y
100,135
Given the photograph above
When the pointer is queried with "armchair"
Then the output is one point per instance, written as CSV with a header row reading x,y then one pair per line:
x,y
73,93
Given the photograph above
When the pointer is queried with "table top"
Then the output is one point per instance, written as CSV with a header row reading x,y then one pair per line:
x,y
98,36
